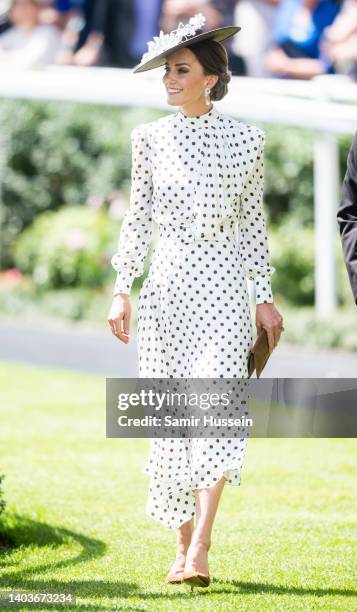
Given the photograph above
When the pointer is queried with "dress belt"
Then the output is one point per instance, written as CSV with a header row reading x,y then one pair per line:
x,y
188,234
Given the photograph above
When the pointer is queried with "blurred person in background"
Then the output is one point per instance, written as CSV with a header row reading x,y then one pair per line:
x,y
116,31
91,37
28,42
72,20
218,13
340,43
174,11
58,11
347,217
299,28
147,25
226,9
76,20
256,36
89,42
4,15
68,16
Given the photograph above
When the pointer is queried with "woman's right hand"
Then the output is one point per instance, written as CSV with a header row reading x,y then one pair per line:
x,y
119,317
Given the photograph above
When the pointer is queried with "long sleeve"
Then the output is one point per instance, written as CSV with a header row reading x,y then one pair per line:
x,y
347,218
136,229
252,230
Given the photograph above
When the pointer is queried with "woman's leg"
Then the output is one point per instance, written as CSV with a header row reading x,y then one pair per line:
x,y
184,534
206,507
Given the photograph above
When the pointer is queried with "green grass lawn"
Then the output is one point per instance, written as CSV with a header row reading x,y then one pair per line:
x,y
75,511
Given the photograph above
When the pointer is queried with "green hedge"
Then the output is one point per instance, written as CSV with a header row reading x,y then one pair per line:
x,y
292,248
67,248
289,177
58,154
305,327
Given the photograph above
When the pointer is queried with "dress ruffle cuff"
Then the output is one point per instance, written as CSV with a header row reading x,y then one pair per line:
x,y
125,276
124,281
262,283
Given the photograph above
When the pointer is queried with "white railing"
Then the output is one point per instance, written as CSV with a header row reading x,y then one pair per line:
x,y
326,105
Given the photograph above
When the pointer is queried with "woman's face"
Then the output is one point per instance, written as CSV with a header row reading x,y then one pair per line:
x,y
184,79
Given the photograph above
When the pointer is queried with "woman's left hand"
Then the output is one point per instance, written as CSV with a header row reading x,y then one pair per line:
x,y
269,318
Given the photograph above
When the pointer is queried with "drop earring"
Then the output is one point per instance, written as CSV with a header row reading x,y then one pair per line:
x,y
207,93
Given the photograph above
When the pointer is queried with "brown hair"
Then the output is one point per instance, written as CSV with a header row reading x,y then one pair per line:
x,y
213,58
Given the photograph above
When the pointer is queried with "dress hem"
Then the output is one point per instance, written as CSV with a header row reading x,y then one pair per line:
x,y
177,524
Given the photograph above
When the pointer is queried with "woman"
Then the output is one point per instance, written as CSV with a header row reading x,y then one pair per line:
x,y
298,35
28,43
196,173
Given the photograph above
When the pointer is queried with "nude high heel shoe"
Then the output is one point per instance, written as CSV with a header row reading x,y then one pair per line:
x,y
174,578
196,579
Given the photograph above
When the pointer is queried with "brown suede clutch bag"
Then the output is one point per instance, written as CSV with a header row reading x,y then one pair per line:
x,y
259,354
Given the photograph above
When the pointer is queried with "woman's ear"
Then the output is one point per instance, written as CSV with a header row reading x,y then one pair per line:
x,y
211,83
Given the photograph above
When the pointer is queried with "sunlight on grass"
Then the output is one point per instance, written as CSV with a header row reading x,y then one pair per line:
x,y
76,518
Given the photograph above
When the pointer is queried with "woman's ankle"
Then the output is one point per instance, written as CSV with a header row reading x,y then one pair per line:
x,y
181,553
182,548
197,557
183,545
200,542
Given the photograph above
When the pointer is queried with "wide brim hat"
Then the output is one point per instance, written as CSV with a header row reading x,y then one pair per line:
x,y
184,36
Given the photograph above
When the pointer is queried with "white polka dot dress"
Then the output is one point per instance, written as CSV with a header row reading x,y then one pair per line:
x,y
200,179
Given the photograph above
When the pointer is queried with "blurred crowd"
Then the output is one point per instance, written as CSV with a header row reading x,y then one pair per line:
x,y
279,38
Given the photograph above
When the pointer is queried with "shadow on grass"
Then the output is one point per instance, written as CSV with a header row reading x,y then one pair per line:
x,y
22,532
275,589
18,532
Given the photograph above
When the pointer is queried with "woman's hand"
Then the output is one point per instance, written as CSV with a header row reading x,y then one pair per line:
x,y
269,318
119,317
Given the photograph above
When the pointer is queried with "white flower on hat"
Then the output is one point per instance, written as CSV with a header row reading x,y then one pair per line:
x,y
163,42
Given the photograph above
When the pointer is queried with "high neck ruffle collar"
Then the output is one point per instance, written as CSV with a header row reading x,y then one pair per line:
x,y
205,120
